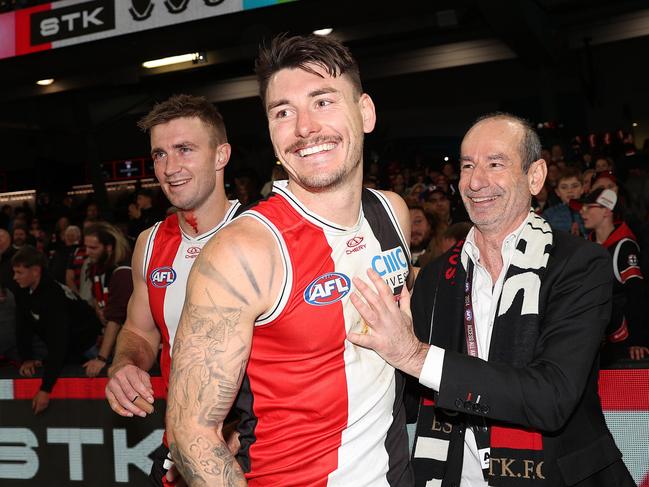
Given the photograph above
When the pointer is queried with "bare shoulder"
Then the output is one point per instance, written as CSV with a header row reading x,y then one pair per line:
x,y
395,200
244,262
245,236
138,252
401,209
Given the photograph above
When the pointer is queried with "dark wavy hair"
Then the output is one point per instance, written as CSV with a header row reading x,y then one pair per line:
x,y
303,52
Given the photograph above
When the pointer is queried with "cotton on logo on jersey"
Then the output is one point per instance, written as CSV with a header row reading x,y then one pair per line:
x,y
327,289
354,245
162,276
392,266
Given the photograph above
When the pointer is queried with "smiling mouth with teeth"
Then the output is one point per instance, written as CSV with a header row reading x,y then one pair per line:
x,y
177,183
307,151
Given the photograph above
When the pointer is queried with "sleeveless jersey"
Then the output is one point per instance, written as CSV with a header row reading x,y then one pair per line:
x,y
168,257
316,409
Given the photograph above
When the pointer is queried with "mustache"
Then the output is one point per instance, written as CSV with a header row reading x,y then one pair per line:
x,y
477,194
320,139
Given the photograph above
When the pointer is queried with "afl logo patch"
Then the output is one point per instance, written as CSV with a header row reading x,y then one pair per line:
x,y
162,276
327,289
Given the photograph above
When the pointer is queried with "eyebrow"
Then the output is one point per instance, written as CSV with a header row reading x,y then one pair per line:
x,y
498,156
312,94
185,143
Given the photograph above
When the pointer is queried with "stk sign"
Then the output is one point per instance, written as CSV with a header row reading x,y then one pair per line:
x,y
68,22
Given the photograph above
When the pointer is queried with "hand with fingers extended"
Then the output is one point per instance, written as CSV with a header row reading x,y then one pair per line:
x,y
129,391
28,367
388,329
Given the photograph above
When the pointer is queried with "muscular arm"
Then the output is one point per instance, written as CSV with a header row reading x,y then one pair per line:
x,y
136,347
139,340
231,283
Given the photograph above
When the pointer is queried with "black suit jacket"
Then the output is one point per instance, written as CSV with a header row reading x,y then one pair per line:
x,y
555,393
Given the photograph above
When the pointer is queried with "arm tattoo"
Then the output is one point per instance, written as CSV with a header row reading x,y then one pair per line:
x,y
206,463
209,361
251,277
208,270
272,274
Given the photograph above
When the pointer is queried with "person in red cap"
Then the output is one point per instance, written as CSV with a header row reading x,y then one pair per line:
x,y
626,333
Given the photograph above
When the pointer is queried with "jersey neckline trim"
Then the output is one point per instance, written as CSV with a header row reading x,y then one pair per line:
x,y
234,205
281,189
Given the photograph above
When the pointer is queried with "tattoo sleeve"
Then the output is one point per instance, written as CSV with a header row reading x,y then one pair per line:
x,y
209,359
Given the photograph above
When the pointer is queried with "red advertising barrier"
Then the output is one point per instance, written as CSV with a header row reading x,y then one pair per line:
x,y
79,441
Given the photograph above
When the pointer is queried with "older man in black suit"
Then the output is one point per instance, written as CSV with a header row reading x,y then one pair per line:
x,y
508,329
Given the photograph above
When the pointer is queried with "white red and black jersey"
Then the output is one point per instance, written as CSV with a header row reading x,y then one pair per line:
x,y
625,252
318,410
168,257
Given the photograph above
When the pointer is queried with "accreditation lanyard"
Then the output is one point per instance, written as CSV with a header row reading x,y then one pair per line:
x,y
477,423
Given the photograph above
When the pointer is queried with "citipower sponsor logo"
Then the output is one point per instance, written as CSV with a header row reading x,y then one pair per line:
x,y
327,289
162,276
392,266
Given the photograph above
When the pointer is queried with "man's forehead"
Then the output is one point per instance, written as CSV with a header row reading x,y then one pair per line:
x,y
495,136
291,81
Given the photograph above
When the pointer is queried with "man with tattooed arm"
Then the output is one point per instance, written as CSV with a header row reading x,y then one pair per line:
x,y
189,148
268,302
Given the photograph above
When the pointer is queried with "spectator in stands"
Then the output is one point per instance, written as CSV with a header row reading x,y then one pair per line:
x,y
561,216
19,237
92,213
148,213
246,188
7,305
5,217
37,236
604,164
587,180
606,180
438,202
75,263
6,253
422,230
110,272
553,175
67,325
540,201
452,235
627,333
557,154
60,258
448,170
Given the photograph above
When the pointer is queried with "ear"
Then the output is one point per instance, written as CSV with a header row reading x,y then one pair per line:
x,y
223,152
368,112
536,176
